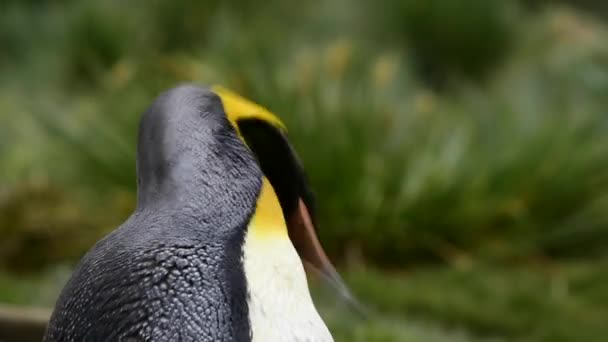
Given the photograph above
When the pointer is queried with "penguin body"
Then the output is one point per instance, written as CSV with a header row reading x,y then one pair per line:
x,y
206,256
173,270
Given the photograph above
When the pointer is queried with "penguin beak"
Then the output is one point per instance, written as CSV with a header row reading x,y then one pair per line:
x,y
302,234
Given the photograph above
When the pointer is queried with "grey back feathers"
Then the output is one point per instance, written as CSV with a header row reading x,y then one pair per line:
x,y
173,270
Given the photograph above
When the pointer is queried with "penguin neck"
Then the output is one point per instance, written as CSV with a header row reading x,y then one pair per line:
x,y
172,183
215,183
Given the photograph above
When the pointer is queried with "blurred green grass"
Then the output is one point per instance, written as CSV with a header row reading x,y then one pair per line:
x,y
506,168
460,155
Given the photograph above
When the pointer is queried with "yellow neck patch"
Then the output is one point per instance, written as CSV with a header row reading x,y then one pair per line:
x,y
268,219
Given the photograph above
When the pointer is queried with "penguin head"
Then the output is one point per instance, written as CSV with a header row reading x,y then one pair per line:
x,y
210,148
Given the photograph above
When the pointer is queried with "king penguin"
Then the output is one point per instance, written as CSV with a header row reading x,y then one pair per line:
x,y
215,249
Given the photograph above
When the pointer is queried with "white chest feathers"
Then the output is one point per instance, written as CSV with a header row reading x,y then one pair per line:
x,y
280,306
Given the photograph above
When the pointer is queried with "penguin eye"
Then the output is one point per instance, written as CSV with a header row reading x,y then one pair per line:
x,y
279,163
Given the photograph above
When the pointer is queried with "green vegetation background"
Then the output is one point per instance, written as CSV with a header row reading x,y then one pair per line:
x,y
458,149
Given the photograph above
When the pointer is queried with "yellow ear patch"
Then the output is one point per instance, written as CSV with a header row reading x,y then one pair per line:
x,y
238,108
268,219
